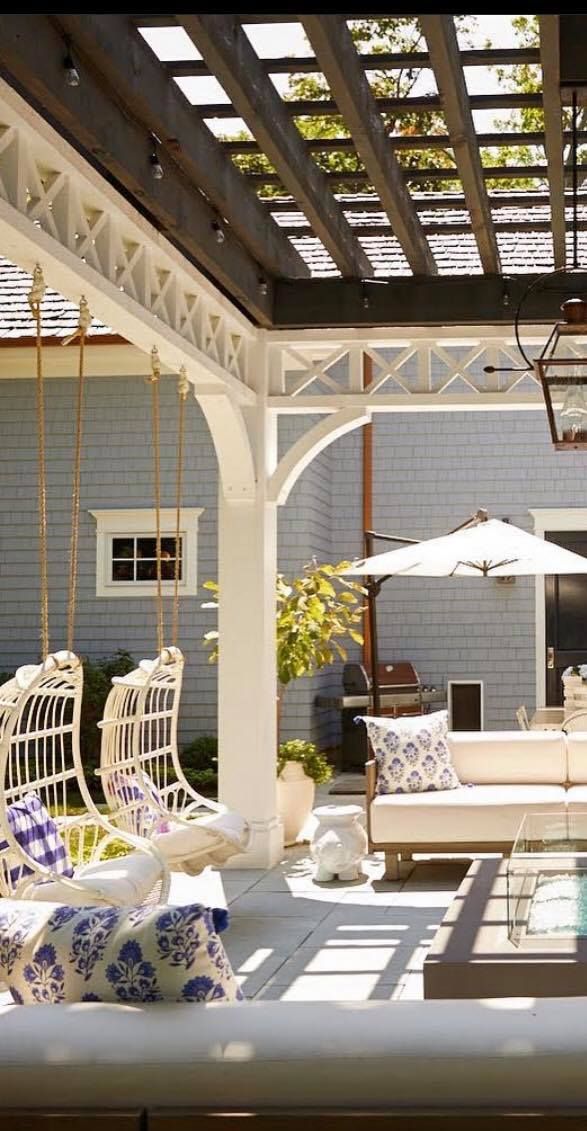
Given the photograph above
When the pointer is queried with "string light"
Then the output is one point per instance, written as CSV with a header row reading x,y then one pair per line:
x,y
71,71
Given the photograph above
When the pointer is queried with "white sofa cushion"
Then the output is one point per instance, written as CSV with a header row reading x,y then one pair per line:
x,y
298,1055
473,814
531,757
577,757
412,754
51,953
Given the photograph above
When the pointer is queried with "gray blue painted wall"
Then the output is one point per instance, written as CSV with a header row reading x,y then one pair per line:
x,y
430,472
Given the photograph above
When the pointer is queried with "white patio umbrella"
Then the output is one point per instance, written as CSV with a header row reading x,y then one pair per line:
x,y
481,547
484,547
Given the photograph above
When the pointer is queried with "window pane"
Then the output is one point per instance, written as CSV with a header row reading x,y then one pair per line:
x,y
168,571
168,547
123,571
146,571
146,547
123,547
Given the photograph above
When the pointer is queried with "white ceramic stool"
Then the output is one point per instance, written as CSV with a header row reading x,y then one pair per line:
x,y
339,842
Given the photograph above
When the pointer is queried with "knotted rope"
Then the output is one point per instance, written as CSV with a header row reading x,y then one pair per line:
x,y
35,297
183,388
154,379
85,321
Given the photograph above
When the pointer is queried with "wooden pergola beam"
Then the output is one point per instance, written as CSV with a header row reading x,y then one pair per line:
x,y
455,300
129,66
446,202
553,128
439,229
337,55
31,57
443,49
380,61
402,142
417,176
227,50
318,107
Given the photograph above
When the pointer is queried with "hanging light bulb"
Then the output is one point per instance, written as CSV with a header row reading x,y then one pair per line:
x,y
69,67
574,411
156,166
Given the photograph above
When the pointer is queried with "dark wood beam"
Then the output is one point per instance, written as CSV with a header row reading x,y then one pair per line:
x,y
337,54
553,127
419,176
402,142
129,66
227,50
439,229
317,107
445,202
378,61
31,57
443,48
449,300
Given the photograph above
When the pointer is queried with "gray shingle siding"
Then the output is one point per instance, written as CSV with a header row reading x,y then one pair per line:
x,y
430,472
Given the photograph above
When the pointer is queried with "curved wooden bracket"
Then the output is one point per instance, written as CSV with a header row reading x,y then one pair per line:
x,y
232,445
329,429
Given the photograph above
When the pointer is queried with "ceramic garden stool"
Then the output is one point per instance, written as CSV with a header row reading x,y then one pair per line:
x,y
339,842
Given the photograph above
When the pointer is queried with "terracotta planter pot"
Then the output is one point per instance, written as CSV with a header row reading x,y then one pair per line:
x,y
295,798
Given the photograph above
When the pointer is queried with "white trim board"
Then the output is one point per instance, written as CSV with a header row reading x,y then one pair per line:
x,y
550,518
141,521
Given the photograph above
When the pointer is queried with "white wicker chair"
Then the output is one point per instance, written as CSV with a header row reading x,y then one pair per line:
x,y
40,756
143,782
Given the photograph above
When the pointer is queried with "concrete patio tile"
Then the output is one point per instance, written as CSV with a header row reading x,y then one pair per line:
x,y
281,934
437,874
306,905
411,988
323,987
256,970
366,897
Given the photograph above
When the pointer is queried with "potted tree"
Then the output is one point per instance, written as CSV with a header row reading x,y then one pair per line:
x,y
315,613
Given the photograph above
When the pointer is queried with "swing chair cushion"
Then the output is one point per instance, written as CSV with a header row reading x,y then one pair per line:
x,y
217,836
38,836
123,880
52,953
126,789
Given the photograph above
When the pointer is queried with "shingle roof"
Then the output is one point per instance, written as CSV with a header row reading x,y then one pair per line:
x,y
59,317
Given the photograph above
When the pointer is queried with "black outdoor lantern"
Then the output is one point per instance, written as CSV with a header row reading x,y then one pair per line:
x,y
564,380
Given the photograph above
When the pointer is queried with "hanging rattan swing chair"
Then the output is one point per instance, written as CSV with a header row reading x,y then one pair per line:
x,y
147,792
51,848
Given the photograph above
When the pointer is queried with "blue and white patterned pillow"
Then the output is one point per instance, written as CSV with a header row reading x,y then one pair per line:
x,y
36,832
412,753
51,953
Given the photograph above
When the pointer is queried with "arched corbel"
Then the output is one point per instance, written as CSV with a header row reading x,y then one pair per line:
x,y
329,429
232,445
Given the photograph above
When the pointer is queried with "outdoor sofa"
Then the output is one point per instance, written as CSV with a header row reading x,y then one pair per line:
x,y
504,775
438,1064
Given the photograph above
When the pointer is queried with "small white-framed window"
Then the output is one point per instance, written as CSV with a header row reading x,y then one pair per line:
x,y
126,552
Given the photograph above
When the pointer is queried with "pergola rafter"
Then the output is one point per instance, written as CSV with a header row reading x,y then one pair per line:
x,y
339,62
123,57
225,46
443,48
553,129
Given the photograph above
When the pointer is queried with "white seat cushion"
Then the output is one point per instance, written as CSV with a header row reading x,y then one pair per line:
x,y
125,880
577,757
577,797
473,814
210,839
499,757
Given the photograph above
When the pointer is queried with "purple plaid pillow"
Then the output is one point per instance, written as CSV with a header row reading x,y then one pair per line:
x,y
126,788
37,834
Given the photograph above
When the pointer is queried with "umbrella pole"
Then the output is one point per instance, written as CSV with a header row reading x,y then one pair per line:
x,y
373,588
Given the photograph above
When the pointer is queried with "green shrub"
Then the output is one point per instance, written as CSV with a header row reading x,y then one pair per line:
x,y
315,764
199,762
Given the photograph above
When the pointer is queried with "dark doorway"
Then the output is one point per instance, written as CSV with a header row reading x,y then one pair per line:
x,y
566,616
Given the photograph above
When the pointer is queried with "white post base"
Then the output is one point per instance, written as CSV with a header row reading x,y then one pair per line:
x,y
265,847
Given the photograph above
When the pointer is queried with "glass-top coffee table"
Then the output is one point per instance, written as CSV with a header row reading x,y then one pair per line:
x,y
517,926
547,880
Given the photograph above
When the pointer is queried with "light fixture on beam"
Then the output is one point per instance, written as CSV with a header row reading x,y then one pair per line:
x,y
70,70
263,286
156,167
563,380
219,233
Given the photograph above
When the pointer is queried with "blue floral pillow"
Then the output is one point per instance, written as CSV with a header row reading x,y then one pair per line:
x,y
412,753
51,953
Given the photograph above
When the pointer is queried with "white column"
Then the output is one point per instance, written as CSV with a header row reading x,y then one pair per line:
x,y
247,676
